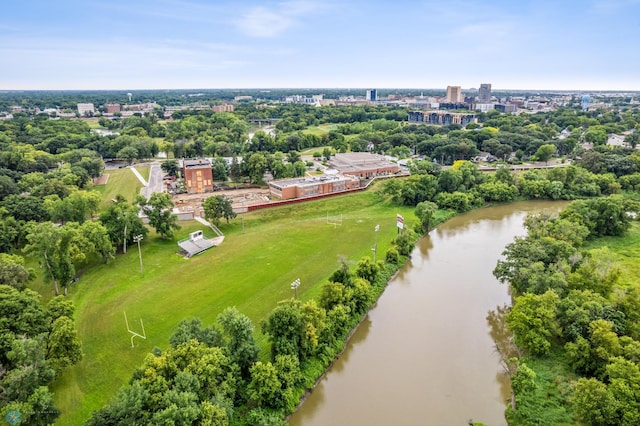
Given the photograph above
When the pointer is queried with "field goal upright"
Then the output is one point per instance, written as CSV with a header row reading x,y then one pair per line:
x,y
334,220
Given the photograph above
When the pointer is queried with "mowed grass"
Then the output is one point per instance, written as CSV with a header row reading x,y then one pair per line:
x,y
144,171
121,181
251,270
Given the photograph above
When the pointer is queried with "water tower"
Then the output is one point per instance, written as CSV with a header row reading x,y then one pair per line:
x,y
129,95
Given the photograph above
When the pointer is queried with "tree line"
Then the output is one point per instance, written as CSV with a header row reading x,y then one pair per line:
x,y
571,313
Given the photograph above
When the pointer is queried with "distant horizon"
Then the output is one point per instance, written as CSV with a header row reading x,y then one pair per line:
x,y
363,89
74,45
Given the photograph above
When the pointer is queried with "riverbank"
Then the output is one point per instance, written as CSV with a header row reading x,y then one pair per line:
x,y
424,353
379,288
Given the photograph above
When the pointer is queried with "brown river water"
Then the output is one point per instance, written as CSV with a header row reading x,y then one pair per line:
x,y
424,354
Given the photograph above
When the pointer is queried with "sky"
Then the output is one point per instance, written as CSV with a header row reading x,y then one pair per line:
x,y
191,44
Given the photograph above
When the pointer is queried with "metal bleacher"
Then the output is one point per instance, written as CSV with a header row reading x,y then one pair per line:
x,y
195,244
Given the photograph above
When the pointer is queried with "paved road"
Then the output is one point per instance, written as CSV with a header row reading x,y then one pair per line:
x,y
155,183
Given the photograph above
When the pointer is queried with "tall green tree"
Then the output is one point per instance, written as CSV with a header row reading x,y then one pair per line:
x,y
158,210
424,212
216,208
545,152
63,346
122,222
13,271
238,333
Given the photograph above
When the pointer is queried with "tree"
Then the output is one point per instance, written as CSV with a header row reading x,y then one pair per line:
x,y
170,167
545,152
59,247
51,244
128,153
286,329
238,332
265,388
192,329
218,207
63,346
533,321
13,272
158,210
593,403
75,208
220,169
256,165
603,216
424,212
122,222
368,270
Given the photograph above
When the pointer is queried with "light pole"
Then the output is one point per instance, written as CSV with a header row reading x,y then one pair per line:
x,y
375,246
137,239
294,287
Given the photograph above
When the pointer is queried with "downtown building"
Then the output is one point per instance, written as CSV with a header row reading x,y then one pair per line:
x,y
484,93
454,95
441,118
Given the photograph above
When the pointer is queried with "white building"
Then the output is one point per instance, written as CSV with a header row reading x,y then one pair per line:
x,y
85,110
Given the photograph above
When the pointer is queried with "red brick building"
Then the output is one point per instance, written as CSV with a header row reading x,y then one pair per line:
x,y
198,176
286,189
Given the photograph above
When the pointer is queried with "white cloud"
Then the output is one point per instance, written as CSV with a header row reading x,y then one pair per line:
x,y
267,22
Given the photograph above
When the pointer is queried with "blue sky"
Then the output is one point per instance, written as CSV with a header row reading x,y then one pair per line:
x,y
171,44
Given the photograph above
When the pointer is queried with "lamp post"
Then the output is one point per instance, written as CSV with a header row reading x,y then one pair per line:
x,y
137,239
294,287
375,246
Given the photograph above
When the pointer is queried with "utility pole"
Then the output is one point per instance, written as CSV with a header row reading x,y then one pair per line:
x,y
294,287
137,239
375,246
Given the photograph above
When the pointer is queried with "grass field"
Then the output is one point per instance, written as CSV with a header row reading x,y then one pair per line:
x,y
121,181
251,270
144,171
320,130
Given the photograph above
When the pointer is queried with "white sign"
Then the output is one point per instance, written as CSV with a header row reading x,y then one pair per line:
x,y
400,221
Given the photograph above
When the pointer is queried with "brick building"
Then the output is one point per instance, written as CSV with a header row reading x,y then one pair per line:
x,y
198,176
363,165
286,189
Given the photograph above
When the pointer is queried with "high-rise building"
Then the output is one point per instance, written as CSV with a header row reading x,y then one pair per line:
x,y
454,94
585,102
484,93
372,95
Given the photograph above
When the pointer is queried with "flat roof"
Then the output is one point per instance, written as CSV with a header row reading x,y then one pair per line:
x,y
195,163
282,183
357,161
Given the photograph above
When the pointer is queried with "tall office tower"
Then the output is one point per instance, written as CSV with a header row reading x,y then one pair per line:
x,y
454,94
585,102
372,95
484,93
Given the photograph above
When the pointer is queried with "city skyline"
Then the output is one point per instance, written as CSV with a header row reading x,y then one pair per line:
x,y
195,44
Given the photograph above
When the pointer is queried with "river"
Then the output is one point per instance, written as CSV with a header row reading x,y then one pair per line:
x,y
424,354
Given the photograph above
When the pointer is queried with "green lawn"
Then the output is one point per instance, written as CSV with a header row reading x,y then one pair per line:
x,y
121,181
320,130
144,171
251,270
